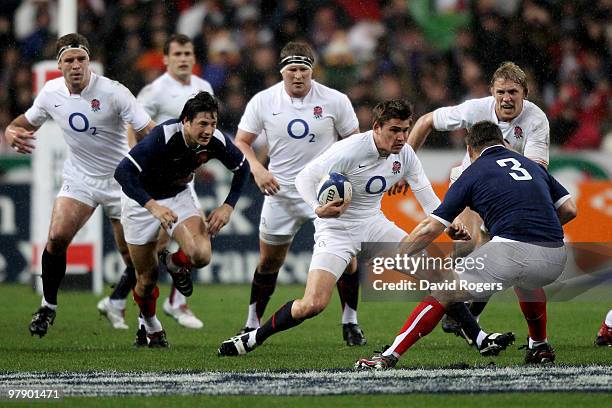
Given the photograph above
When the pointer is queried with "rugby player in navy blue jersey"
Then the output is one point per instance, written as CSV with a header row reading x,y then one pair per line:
x,y
154,178
523,208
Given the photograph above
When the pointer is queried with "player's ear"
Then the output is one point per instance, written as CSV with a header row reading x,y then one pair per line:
x,y
165,60
376,127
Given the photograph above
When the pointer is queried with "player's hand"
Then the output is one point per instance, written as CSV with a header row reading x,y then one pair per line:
x,y
20,139
266,182
218,218
401,187
458,232
332,210
166,216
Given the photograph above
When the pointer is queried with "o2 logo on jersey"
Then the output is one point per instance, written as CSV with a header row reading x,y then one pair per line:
x,y
95,105
376,185
79,123
299,129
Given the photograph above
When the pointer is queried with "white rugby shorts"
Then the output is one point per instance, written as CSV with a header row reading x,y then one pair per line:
x,y
92,191
504,263
282,215
336,242
141,227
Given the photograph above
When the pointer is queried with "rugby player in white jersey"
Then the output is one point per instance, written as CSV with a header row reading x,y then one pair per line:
x,y
300,119
525,129
163,99
93,112
373,162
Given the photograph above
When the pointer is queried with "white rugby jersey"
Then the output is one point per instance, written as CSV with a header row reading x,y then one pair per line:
x,y
165,97
528,133
370,175
298,129
93,122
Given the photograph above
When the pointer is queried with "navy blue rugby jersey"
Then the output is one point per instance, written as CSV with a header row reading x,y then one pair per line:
x,y
161,165
516,197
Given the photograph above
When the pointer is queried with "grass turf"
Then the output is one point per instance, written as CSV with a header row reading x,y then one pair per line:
x,y
81,340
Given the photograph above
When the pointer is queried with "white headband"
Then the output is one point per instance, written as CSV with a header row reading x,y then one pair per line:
x,y
69,47
296,60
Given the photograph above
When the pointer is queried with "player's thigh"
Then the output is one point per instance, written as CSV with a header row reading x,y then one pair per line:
x,y
192,236
319,288
120,240
67,218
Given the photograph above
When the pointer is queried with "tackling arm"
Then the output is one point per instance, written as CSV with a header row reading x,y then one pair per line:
x,y
19,134
422,128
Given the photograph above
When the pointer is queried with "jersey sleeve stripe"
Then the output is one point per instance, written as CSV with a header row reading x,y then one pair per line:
x,y
135,163
442,220
560,201
239,166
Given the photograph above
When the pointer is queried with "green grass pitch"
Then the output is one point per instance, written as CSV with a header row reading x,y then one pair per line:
x,y
81,340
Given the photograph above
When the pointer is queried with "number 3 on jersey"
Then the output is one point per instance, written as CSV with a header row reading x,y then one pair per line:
x,y
516,166
298,129
79,123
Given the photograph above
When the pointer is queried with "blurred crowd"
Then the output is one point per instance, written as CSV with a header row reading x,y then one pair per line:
x,y
432,52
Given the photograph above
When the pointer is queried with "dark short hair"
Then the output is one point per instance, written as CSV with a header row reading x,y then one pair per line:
x,y
509,71
73,39
202,102
181,39
394,109
483,134
297,48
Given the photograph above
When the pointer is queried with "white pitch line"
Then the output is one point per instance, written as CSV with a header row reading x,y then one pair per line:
x,y
333,382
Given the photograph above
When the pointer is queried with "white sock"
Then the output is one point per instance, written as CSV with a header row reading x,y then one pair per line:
x,y
152,324
533,343
251,342
177,300
44,303
141,321
480,338
252,320
117,303
609,319
388,352
349,315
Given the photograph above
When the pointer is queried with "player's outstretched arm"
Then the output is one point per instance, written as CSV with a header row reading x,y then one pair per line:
x,y
218,218
422,128
567,211
19,134
263,178
421,236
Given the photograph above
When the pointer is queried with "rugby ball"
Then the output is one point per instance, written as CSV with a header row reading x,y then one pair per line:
x,y
334,187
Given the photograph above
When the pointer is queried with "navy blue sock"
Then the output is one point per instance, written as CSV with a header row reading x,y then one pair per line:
x,y
53,271
281,320
348,289
459,312
125,285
